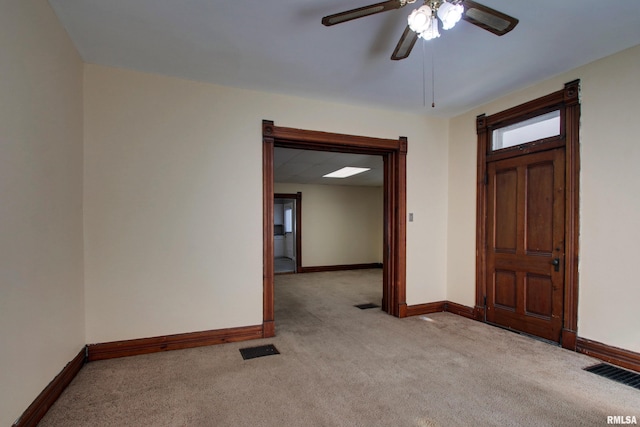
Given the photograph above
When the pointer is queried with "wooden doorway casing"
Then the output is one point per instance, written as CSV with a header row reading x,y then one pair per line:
x,y
394,153
567,101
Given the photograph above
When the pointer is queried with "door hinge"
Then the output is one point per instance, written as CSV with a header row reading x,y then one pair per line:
x,y
486,179
485,300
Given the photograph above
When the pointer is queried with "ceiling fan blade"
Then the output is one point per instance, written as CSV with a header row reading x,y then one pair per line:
x,y
361,12
489,19
405,44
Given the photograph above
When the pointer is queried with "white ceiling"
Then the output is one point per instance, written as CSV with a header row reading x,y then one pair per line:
x,y
280,46
308,167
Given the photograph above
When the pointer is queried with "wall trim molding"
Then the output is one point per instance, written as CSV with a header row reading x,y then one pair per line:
x,y
268,329
617,356
115,349
569,339
566,100
342,267
39,407
394,152
440,306
428,308
460,310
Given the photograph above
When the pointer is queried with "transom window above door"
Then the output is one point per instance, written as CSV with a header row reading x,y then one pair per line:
x,y
533,129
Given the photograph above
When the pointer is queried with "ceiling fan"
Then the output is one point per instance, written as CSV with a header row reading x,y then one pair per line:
x,y
423,22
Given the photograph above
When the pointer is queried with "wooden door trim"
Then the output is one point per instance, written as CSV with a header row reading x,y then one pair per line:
x,y
567,100
394,152
298,198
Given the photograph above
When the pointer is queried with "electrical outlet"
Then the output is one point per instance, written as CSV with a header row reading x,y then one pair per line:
x,y
411,217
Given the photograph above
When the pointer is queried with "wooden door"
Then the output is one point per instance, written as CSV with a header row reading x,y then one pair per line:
x,y
525,243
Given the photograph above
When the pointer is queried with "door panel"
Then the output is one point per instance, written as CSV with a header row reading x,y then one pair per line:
x,y
538,295
539,212
506,184
505,289
525,232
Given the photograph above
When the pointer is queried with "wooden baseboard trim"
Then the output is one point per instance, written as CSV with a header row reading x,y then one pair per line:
x,y
268,329
617,356
428,308
568,339
460,310
110,350
50,394
438,306
322,268
402,310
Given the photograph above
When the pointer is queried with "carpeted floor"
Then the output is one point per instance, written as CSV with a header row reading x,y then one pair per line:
x,y
342,366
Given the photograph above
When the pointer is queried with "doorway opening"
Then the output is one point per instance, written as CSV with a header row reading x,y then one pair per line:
x,y
287,238
528,216
394,154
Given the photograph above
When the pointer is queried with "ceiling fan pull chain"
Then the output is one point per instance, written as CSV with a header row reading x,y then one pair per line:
x,y
433,76
424,77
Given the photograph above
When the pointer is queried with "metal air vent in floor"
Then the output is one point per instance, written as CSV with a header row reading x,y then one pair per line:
x,y
263,350
620,375
365,306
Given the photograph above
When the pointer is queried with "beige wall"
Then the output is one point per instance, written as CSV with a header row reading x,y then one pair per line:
x,y
160,155
609,207
340,224
41,273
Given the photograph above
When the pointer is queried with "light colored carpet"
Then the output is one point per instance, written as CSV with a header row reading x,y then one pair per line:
x,y
341,366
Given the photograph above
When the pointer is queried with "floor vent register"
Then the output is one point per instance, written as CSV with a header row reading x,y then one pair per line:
x,y
614,373
261,351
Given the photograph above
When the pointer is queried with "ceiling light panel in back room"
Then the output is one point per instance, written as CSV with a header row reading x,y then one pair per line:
x,y
309,167
346,172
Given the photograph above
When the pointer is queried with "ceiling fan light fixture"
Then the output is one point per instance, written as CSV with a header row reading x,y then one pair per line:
x,y
420,19
432,31
450,14
423,21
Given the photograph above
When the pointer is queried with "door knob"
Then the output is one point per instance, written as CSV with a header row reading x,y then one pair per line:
x,y
556,264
